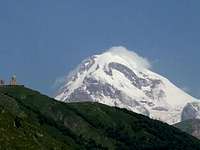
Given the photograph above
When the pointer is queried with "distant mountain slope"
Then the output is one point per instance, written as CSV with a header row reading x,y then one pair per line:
x,y
191,127
117,78
45,123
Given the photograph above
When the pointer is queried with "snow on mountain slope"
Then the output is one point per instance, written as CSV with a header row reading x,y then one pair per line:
x,y
123,79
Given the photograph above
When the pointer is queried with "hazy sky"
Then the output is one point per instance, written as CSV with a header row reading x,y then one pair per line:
x,y
42,40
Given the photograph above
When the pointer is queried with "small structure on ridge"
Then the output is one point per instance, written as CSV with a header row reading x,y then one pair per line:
x,y
13,80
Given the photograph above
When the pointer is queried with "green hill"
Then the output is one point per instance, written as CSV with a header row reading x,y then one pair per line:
x,y
30,120
191,127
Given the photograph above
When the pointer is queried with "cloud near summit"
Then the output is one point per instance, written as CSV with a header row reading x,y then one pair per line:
x,y
130,56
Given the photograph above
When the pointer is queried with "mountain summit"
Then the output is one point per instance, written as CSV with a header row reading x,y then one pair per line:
x,y
123,79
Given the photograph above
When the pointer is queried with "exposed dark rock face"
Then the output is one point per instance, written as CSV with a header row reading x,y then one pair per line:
x,y
190,111
85,66
160,108
80,95
137,81
128,73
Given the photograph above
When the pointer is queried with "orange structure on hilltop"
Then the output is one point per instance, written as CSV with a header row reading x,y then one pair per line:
x,y
13,81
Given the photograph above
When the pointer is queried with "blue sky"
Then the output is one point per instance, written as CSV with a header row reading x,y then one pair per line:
x,y
41,40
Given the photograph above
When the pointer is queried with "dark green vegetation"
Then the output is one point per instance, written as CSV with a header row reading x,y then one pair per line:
x,y
30,120
190,126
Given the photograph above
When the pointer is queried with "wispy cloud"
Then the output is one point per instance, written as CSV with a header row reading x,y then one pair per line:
x,y
131,56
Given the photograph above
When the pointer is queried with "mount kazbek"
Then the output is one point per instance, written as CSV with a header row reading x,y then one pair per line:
x,y
122,78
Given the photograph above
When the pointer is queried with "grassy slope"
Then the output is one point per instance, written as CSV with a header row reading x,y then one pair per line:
x,y
190,126
18,132
84,125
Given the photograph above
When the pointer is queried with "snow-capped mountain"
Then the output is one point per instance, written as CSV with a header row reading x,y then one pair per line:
x,y
123,79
